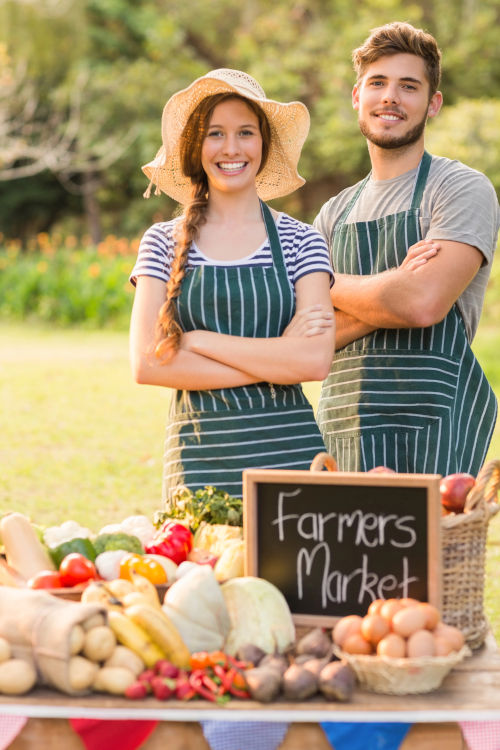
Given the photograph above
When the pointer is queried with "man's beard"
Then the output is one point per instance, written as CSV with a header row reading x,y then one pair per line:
x,y
389,141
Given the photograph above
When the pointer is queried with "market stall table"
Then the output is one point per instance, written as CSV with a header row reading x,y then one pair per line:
x,y
471,692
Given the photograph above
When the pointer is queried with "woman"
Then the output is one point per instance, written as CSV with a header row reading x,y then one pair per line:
x,y
232,305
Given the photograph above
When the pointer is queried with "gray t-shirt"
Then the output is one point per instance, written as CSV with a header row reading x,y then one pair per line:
x,y
458,204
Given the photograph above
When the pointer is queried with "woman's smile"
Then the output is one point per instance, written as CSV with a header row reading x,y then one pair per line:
x,y
231,153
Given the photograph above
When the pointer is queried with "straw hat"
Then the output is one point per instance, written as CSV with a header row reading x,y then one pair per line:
x,y
289,124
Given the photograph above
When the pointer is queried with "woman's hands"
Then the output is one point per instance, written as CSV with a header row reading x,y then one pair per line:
x,y
310,321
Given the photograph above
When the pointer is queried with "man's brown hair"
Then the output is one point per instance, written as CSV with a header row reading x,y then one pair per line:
x,y
396,38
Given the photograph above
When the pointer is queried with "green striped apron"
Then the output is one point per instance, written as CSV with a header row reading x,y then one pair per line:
x,y
213,435
415,400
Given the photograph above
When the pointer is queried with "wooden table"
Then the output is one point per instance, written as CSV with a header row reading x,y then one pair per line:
x,y
471,692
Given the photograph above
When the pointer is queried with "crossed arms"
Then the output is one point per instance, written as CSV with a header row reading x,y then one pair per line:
x,y
207,359
417,294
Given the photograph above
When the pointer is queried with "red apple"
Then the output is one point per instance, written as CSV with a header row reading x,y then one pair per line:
x,y
454,490
202,557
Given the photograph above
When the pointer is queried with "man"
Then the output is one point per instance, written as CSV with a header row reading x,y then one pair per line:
x,y
412,247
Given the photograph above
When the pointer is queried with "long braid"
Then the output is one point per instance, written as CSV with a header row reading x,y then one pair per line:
x,y
169,330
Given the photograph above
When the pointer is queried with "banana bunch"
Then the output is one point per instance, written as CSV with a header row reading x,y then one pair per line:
x,y
138,621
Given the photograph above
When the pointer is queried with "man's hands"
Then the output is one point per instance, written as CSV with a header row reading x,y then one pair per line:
x,y
419,253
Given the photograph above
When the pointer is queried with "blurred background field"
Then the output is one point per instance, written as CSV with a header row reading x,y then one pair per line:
x,y
82,87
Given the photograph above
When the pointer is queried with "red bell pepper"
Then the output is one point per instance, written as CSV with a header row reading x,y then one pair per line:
x,y
173,540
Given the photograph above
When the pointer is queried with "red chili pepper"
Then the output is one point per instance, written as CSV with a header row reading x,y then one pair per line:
x,y
238,663
221,674
210,684
173,540
196,682
239,693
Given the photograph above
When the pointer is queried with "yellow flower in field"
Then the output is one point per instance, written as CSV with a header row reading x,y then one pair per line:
x,y
42,266
94,270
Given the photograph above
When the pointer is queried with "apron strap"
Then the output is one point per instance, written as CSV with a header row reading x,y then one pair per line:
x,y
274,240
351,203
420,181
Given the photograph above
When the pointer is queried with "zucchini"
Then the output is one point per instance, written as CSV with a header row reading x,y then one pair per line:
x,y
23,549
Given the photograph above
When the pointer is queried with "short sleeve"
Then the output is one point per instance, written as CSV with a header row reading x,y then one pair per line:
x,y
465,209
312,254
156,252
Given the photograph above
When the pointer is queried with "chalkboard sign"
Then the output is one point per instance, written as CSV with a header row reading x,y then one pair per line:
x,y
332,542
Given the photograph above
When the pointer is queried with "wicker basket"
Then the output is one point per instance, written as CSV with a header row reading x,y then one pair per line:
x,y
464,556
381,674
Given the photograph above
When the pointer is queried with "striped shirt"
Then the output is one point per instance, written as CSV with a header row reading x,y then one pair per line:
x,y
304,251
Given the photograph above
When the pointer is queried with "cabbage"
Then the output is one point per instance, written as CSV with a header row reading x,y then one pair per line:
x,y
259,615
230,563
215,536
195,604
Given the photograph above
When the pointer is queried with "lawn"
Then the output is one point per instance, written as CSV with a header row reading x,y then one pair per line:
x,y
81,440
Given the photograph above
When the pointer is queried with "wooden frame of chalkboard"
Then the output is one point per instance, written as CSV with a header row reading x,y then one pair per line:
x,y
332,542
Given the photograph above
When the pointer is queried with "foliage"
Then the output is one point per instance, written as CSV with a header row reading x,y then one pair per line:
x,y
121,60
68,285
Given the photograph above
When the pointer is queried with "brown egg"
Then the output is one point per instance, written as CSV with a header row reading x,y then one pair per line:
x,y
392,645
389,609
374,628
345,627
443,645
452,634
408,620
356,644
421,643
431,614
407,601
375,606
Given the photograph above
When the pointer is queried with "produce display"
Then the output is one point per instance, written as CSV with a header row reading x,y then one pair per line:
x,y
172,615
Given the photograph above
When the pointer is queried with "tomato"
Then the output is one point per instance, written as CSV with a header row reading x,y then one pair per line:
x,y
46,579
144,566
75,569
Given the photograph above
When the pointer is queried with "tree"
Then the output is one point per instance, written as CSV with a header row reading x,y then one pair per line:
x,y
100,71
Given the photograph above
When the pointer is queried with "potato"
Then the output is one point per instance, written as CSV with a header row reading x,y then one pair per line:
x,y
114,680
76,639
81,672
264,684
99,643
125,657
5,650
17,676
95,621
337,681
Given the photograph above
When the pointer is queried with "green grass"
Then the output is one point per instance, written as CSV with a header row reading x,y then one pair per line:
x,y
81,440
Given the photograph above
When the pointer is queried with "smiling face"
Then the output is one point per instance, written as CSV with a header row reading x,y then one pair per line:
x,y
231,152
392,100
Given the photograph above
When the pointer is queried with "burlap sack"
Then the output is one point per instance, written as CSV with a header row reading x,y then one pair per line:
x,y
38,627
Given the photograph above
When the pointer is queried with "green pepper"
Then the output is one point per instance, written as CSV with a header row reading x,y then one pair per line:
x,y
81,545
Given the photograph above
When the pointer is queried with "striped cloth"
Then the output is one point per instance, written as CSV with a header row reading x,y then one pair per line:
x,y
304,251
